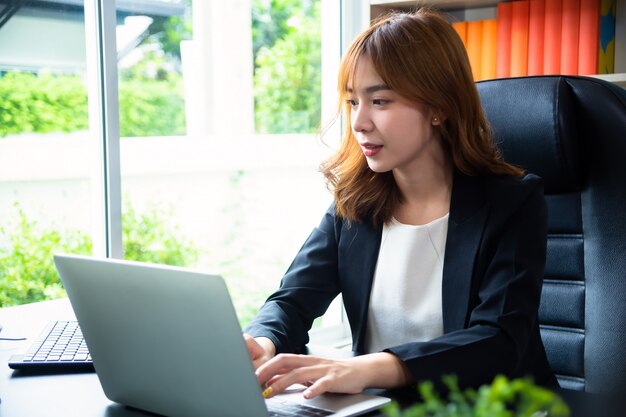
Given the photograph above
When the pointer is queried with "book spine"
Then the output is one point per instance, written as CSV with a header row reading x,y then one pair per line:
x,y
606,52
569,37
489,45
519,38
620,36
474,46
588,39
503,52
552,37
536,25
461,29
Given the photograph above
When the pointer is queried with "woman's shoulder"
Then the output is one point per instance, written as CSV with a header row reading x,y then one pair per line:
x,y
513,191
529,181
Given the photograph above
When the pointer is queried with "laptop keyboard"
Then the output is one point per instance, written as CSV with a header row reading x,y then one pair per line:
x,y
60,346
279,408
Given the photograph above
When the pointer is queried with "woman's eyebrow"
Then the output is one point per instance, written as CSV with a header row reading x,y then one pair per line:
x,y
373,88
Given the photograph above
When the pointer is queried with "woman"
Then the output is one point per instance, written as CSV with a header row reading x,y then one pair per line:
x,y
435,243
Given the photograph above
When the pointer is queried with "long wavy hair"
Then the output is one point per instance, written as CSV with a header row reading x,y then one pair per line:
x,y
421,57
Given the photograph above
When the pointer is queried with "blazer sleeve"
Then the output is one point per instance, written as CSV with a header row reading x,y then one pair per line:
x,y
502,328
306,290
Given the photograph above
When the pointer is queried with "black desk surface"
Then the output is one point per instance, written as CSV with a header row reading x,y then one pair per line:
x,y
46,395
80,394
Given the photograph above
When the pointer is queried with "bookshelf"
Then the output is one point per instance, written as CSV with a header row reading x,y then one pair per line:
x,y
468,10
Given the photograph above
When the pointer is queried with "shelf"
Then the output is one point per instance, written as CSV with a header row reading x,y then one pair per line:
x,y
617,79
486,9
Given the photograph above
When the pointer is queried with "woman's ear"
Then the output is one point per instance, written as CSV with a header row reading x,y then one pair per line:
x,y
437,119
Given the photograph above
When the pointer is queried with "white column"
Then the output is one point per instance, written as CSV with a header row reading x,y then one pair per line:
x,y
217,66
104,127
331,58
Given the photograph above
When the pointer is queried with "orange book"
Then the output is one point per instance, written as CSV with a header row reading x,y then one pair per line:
x,y
569,37
488,50
461,29
503,46
474,46
588,37
552,37
519,38
536,23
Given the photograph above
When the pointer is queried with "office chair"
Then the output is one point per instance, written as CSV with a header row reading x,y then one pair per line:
x,y
572,132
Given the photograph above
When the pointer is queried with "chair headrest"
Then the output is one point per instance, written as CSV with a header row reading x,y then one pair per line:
x,y
534,122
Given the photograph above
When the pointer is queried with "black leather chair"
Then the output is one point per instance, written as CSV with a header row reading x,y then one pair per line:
x,y
572,132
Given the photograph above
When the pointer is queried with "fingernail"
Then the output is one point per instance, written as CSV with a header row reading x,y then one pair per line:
x,y
267,392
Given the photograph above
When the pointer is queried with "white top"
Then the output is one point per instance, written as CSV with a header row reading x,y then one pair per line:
x,y
405,302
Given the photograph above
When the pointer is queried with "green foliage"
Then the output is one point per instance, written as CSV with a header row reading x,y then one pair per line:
x,y
270,21
58,103
151,107
42,103
170,31
147,238
287,81
502,398
28,273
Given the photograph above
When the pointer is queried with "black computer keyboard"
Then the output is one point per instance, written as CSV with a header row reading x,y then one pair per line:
x,y
59,347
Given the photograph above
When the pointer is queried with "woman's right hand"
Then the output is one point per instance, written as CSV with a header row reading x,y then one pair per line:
x,y
261,349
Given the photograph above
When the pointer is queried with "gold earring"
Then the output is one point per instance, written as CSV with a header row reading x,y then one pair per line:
x,y
435,119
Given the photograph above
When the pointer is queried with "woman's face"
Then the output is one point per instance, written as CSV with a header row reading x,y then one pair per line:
x,y
393,133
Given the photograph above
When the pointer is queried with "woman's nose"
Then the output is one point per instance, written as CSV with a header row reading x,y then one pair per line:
x,y
361,121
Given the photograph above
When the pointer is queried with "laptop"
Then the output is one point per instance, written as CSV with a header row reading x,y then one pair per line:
x,y
167,340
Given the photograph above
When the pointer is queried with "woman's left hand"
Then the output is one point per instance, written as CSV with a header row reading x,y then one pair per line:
x,y
350,376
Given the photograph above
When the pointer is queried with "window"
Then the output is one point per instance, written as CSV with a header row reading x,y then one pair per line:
x,y
218,110
220,104
45,153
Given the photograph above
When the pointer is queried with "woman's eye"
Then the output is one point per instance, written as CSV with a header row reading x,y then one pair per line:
x,y
380,102
352,102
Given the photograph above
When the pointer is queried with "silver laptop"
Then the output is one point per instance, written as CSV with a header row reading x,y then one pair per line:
x,y
167,340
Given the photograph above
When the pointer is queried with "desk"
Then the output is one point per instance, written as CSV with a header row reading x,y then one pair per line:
x,y
80,394
53,395
57,395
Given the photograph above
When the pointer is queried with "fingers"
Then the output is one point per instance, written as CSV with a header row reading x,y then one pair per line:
x,y
260,349
283,364
317,374
285,370
318,387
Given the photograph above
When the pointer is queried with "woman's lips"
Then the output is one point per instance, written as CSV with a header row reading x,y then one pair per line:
x,y
370,149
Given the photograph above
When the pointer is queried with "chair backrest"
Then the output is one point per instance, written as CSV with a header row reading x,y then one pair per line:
x,y
572,132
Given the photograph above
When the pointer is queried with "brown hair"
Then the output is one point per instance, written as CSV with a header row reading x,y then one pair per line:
x,y
421,57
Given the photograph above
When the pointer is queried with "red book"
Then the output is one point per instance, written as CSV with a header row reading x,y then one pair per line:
x,y
552,37
461,29
588,38
474,46
488,50
569,37
519,38
536,23
503,46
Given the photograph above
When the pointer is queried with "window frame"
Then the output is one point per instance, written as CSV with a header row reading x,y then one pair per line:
x,y
341,21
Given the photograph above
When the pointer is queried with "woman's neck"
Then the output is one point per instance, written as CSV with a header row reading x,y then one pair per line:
x,y
426,194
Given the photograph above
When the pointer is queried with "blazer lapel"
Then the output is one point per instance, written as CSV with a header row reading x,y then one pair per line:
x,y
358,253
468,214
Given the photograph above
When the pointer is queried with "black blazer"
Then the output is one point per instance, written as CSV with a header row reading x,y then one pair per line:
x,y
492,276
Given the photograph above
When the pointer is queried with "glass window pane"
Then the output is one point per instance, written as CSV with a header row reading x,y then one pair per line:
x,y
219,116
45,147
